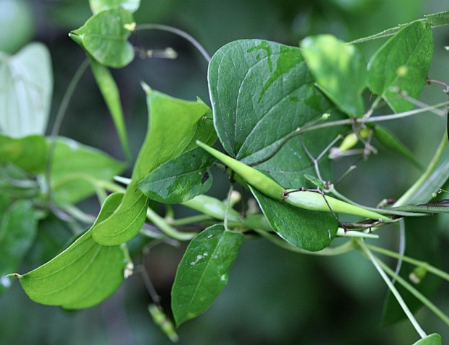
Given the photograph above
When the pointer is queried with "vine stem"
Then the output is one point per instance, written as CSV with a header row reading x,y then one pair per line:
x,y
58,122
166,228
432,165
393,290
178,32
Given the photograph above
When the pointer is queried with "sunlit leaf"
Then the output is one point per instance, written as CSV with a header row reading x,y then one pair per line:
x,y
179,179
105,37
172,125
309,230
78,170
17,231
111,95
28,153
402,65
26,83
102,5
339,69
83,275
203,271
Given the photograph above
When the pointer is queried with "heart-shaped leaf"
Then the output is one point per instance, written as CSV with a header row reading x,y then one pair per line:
x,y
26,83
402,65
339,69
432,339
81,276
105,37
203,271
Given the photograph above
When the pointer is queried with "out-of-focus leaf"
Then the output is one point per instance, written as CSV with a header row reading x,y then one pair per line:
x,y
339,70
180,179
172,125
17,232
111,96
83,275
420,245
203,271
105,36
432,339
309,230
402,65
102,5
77,170
28,153
15,14
26,82
16,183
391,142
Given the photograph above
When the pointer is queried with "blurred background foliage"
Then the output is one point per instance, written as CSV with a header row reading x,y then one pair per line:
x,y
274,296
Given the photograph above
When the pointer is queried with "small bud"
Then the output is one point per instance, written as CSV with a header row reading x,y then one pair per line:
x,y
402,71
130,26
325,116
417,275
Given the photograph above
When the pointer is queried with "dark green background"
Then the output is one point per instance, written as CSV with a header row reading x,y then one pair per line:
x,y
273,296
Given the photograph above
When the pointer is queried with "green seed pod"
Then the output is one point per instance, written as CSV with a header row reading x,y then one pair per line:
x,y
307,200
348,142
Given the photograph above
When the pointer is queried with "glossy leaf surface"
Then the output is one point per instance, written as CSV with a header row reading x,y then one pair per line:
x,y
111,96
28,153
77,170
203,271
172,126
402,65
83,275
309,230
180,179
26,83
102,5
105,37
339,69
261,92
18,226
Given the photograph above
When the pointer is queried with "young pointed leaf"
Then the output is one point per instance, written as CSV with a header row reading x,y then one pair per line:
x,y
172,125
339,70
391,142
102,5
261,92
28,153
77,170
203,271
105,36
81,276
180,179
402,65
309,230
26,83
111,96
432,339
18,225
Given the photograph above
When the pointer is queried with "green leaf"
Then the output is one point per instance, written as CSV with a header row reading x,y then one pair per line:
x,y
203,271
104,36
16,183
261,92
172,126
432,339
78,170
339,70
402,65
309,230
391,142
83,275
111,95
18,226
102,5
421,245
180,179
28,153
26,83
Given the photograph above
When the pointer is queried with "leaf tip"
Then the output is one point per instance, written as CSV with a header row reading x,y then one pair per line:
x,y
145,87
